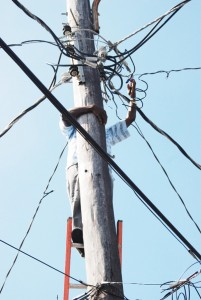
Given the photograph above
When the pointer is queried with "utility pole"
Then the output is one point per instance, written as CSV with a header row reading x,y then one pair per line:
x,y
100,240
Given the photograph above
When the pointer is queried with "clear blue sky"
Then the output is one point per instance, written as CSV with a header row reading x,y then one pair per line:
x,y
30,150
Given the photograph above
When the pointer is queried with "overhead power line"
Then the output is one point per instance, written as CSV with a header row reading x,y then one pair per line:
x,y
139,131
166,174
44,263
101,152
152,22
43,24
148,36
159,130
23,113
45,194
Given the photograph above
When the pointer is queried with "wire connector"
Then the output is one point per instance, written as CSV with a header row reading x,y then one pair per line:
x,y
91,62
102,53
65,77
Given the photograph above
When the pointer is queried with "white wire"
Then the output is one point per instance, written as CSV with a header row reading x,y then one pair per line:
x,y
149,24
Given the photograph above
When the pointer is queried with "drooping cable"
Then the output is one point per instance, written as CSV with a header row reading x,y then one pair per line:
x,y
145,200
152,22
163,169
175,286
168,72
31,42
161,131
166,174
44,263
145,39
52,87
45,194
169,137
43,24
23,113
153,31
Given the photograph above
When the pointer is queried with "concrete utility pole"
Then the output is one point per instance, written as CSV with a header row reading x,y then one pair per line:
x,y
100,240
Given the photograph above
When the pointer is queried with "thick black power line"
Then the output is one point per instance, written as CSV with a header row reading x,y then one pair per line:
x,y
152,32
145,200
139,131
160,131
43,24
169,137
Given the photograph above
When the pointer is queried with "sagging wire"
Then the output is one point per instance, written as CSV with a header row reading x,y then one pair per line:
x,y
44,263
175,286
169,138
136,126
100,57
61,47
152,22
166,72
111,288
115,91
153,31
23,113
31,42
106,88
160,131
45,194
93,290
54,79
144,199
52,87
166,174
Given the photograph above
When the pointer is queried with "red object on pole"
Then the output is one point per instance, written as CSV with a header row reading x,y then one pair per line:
x,y
69,245
68,256
119,237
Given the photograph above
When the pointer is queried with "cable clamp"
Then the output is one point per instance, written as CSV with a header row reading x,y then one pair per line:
x,y
91,62
101,53
65,77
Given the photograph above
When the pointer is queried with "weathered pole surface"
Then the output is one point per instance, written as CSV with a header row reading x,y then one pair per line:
x,y
100,240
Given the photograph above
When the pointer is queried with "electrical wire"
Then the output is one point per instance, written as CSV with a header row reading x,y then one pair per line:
x,y
23,113
152,22
145,39
32,42
159,130
93,289
112,72
52,87
174,287
168,72
44,263
45,194
169,137
43,24
153,31
145,200
166,174
101,288
163,169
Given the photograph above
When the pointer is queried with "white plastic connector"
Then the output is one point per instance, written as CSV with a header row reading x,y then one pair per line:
x,y
90,63
102,53
65,77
